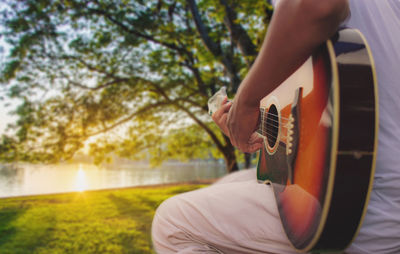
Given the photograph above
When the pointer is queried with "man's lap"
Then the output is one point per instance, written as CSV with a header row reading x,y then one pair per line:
x,y
235,215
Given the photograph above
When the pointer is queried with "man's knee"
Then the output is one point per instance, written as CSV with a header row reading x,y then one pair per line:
x,y
164,211
168,231
163,225
167,209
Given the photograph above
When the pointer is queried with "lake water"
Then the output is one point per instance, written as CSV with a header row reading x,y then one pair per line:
x,y
27,179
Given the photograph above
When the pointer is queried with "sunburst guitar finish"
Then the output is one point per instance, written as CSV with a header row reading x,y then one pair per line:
x,y
320,139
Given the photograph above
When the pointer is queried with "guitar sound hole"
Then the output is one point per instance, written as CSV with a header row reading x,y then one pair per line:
x,y
272,126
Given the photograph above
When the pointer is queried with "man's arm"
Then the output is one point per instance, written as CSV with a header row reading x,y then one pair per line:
x,y
297,28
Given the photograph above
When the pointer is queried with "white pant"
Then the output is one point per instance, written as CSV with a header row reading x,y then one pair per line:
x,y
235,215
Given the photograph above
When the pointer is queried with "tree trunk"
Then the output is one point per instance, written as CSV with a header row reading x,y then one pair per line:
x,y
230,156
247,160
231,162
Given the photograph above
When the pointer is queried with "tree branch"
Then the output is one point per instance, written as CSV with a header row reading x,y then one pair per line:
x,y
180,49
124,27
197,76
193,117
98,87
239,34
213,47
130,117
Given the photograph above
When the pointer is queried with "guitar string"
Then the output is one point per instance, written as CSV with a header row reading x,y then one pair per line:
x,y
274,128
272,135
266,134
277,119
276,124
276,116
271,119
281,117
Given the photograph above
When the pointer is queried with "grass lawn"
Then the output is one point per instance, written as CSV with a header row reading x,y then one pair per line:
x,y
107,221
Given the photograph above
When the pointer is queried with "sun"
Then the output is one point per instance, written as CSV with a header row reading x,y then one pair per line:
x,y
81,181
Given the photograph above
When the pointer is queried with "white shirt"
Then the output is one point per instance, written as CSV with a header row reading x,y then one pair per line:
x,y
379,21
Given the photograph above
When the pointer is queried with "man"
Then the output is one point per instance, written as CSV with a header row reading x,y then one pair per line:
x,y
228,217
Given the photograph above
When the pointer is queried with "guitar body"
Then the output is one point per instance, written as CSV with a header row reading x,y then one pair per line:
x,y
320,139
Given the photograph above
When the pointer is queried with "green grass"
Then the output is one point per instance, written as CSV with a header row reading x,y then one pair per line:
x,y
109,221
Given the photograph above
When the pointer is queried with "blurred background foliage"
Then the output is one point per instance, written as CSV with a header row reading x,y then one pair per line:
x,y
129,78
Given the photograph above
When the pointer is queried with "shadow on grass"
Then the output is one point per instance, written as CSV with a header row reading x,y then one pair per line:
x,y
7,217
142,216
127,207
24,230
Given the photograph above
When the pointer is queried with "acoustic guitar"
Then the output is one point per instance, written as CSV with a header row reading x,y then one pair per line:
x,y
320,130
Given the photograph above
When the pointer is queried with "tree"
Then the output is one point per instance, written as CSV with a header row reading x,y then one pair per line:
x,y
134,74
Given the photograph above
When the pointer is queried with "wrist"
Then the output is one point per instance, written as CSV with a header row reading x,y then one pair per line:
x,y
246,99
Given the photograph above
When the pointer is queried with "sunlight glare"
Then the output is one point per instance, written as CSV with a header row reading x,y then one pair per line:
x,y
80,180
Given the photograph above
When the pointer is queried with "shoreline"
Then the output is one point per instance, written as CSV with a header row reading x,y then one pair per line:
x,y
147,186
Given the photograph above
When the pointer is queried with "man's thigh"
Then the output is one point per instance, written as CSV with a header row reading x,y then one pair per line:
x,y
232,217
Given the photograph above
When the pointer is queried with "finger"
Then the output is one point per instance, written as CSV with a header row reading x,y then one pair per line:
x,y
223,119
255,138
223,126
252,148
217,115
225,107
221,122
254,143
222,110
